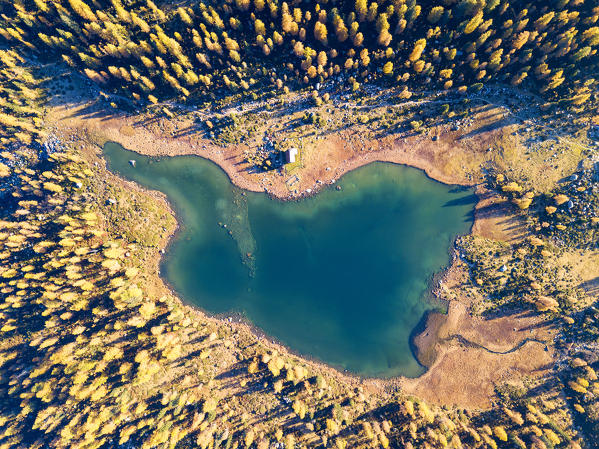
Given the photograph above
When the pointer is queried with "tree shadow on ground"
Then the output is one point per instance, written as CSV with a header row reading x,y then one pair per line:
x,y
591,286
495,125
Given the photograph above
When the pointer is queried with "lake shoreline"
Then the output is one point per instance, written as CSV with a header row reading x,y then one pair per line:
x,y
323,162
419,346
98,131
395,151
391,174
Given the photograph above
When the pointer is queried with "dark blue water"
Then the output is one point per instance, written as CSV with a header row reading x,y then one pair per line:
x,y
341,277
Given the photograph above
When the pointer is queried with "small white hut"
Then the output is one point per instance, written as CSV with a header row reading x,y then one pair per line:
x,y
290,155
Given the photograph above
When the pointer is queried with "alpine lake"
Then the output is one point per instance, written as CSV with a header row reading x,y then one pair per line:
x,y
342,277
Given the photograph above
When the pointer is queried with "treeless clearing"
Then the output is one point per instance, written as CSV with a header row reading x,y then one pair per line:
x,y
495,218
467,377
454,158
468,356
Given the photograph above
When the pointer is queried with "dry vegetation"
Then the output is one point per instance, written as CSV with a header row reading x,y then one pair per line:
x,y
96,352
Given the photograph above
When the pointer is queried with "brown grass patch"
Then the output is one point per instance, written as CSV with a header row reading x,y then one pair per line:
x,y
127,130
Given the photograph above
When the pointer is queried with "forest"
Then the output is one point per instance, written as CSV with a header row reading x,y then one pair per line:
x,y
198,51
91,357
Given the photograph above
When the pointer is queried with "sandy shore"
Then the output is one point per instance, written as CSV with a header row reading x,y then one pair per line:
x,y
459,374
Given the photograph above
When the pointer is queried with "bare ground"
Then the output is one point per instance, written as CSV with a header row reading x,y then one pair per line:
x,y
471,355
451,159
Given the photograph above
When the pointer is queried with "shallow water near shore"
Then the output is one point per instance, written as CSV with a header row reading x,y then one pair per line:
x,y
341,276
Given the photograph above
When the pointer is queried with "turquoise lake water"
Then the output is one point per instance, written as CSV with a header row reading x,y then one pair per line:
x,y
341,277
